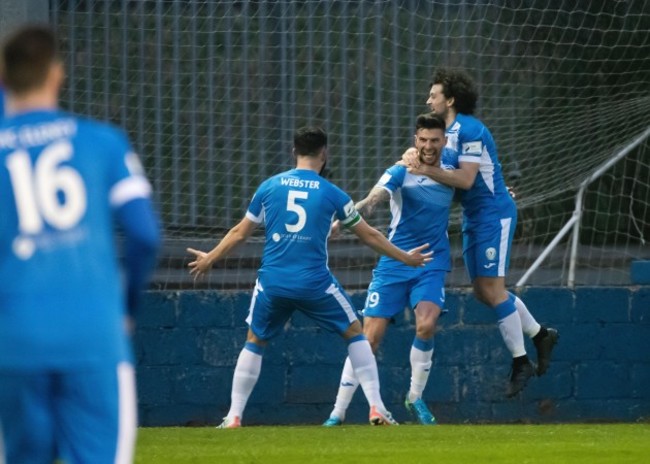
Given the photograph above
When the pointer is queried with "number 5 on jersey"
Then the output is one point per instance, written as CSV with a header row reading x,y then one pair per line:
x,y
296,208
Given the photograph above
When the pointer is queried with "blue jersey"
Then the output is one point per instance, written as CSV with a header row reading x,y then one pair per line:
x,y
472,142
64,181
419,214
297,208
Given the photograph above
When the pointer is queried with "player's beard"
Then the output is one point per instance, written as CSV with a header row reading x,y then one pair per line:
x,y
323,171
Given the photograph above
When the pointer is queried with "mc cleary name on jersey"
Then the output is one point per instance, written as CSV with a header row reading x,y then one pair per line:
x,y
36,135
300,183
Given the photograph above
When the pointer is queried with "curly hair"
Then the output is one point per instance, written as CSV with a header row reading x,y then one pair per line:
x,y
458,85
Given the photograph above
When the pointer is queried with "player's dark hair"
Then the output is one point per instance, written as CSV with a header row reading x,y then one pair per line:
x,y
309,141
430,121
458,85
27,56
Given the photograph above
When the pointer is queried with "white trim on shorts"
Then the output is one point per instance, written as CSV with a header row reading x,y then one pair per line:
x,y
347,307
503,246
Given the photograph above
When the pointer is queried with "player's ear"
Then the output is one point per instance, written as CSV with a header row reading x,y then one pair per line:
x,y
57,74
450,102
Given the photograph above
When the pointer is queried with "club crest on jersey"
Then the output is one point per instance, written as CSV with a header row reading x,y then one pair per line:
x,y
491,253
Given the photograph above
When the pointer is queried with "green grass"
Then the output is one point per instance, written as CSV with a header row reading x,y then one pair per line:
x,y
409,444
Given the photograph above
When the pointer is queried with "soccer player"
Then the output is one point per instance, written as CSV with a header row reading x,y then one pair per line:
x,y
297,208
67,384
419,211
489,220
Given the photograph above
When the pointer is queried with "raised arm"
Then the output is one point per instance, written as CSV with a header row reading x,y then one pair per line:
x,y
204,261
376,240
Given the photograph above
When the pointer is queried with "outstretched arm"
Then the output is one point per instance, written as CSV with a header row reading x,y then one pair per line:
x,y
204,261
366,207
376,240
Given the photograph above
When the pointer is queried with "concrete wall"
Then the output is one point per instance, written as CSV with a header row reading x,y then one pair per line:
x,y
187,344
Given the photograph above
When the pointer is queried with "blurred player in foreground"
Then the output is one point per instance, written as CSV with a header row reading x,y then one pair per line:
x,y
67,384
297,208
489,220
419,212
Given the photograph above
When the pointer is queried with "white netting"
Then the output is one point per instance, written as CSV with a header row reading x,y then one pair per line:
x,y
211,92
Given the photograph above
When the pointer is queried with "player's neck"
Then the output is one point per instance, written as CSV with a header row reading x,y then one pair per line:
x,y
450,117
32,101
309,163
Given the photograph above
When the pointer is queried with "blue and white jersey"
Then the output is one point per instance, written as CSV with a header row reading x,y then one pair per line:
x,y
297,208
472,142
419,210
62,181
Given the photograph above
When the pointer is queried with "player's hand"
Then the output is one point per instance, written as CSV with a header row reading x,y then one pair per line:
x,y
201,265
410,158
335,230
420,259
511,191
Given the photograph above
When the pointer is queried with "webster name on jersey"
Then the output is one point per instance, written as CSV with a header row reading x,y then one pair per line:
x,y
300,183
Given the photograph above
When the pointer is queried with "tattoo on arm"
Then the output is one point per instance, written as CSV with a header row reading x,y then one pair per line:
x,y
367,206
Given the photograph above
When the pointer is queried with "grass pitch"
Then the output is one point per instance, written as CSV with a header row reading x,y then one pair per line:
x,y
409,444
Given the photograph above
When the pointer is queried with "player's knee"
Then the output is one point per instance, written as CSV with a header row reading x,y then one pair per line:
x,y
425,331
490,292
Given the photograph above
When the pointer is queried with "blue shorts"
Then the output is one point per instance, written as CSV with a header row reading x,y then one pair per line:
x,y
268,314
487,245
388,295
81,415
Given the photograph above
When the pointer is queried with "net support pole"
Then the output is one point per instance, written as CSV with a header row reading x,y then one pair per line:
x,y
522,281
581,192
574,222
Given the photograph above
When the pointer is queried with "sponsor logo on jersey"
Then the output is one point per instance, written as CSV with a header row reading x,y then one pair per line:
x,y
473,147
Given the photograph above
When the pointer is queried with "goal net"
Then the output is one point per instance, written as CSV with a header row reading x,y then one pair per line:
x,y
211,92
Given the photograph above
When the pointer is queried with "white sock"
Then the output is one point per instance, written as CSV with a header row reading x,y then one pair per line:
x,y
365,370
420,368
347,387
246,374
528,323
510,328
